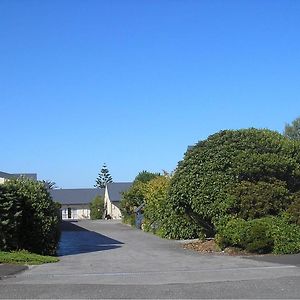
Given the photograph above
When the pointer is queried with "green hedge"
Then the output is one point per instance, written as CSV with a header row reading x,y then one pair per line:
x,y
29,219
269,234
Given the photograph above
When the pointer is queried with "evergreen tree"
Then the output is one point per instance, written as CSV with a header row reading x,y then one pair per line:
x,y
292,131
103,178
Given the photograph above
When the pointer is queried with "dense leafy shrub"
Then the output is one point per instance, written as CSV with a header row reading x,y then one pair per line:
x,y
97,208
135,196
10,218
258,237
178,225
231,234
253,236
156,191
294,209
286,236
35,223
128,219
269,234
247,173
159,217
145,176
258,199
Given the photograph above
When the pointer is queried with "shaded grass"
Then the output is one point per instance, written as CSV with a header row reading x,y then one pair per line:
x,y
26,258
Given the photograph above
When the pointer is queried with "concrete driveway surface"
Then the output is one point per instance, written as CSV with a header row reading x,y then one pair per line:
x,y
106,259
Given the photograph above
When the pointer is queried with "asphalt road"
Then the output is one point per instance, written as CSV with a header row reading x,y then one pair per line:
x,y
105,259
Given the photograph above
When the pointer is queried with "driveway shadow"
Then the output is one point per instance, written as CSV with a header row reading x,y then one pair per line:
x,y
75,240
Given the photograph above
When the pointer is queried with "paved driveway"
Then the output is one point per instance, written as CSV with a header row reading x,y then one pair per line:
x,y
105,259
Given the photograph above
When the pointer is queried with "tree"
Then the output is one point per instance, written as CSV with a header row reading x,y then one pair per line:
x,y
135,196
247,173
103,178
131,199
145,176
156,191
29,219
292,131
97,208
49,185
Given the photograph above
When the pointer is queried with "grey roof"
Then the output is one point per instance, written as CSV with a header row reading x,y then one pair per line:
x,y
75,196
116,189
5,175
32,176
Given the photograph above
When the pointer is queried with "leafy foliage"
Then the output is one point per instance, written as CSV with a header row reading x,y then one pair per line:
x,y
257,199
135,196
254,235
160,218
242,185
292,131
247,173
294,209
286,236
156,191
132,198
97,208
29,218
269,234
103,178
145,176
10,217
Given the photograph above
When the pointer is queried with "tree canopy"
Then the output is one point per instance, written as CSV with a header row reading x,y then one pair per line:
x,y
292,131
241,187
247,173
103,178
135,196
145,176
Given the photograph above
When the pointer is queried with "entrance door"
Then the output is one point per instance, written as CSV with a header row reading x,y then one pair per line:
x,y
69,213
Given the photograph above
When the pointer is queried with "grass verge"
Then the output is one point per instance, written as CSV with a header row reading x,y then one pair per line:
x,y
25,258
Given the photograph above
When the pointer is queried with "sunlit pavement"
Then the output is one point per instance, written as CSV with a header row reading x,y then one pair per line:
x,y
106,259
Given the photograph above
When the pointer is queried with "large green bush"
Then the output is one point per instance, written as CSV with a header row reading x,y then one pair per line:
x,y
29,218
294,209
253,236
156,191
10,217
269,234
131,199
247,173
135,196
97,208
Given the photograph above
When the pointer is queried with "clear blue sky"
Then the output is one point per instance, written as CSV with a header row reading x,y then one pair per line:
x,y
133,83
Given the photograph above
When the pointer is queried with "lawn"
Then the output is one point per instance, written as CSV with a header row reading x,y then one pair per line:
x,y
25,258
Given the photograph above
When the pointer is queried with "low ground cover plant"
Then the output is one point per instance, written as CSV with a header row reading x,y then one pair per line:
x,y
25,258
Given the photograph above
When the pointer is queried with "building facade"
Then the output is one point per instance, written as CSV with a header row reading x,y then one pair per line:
x,y
75,203
112,198
7,176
